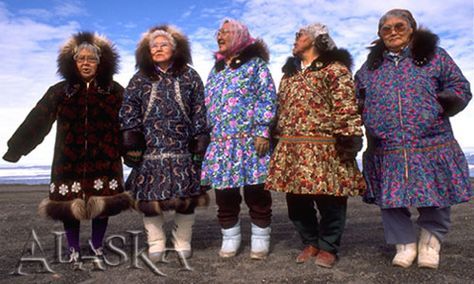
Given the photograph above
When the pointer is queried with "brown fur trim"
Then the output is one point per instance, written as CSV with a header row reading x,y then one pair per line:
x,y
181,56
103,206
63,210
148,208
109,58
155,207
423,47
258,49
202,200
340,55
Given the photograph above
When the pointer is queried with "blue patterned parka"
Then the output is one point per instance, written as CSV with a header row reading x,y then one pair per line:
x,y
412,158
241,104
167,110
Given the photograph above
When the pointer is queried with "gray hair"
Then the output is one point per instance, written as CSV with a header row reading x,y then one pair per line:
x,y
320,34
166,34
87,46
399,13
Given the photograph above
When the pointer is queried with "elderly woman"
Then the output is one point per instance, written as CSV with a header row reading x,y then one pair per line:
x,y
163,119
86,176
241,99
408,89
319,134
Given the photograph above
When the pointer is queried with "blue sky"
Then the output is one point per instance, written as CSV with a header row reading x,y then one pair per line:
x,y
33,31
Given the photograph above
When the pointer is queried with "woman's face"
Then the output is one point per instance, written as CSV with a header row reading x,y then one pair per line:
x,y
395,33
225,38
86,63
303,42
161,51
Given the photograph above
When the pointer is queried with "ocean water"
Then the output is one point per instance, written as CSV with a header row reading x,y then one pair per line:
x,y
32,175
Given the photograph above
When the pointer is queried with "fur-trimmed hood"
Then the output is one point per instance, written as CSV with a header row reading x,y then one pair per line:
x,y
181,57
422,49
109,59
293,64
256,49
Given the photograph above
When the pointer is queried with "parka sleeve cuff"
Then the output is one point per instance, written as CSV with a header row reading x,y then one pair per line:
x,y
11,156
451,104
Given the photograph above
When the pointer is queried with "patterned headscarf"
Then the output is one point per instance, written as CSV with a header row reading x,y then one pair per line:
x,y
240,40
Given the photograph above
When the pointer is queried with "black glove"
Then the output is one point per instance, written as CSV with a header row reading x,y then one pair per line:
x,y
198,144
133,158
133,147
450,103
11,157
348,146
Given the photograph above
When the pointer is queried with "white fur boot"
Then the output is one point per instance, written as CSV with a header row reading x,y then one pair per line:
x,y
406,254
260,243
155,236
231,239
182,234
428,250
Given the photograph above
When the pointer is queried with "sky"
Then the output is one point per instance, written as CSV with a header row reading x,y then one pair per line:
x,y
33,31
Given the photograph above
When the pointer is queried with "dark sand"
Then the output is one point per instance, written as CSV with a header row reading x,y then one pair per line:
x,y
364,256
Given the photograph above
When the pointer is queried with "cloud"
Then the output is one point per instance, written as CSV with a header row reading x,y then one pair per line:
x,y
31,39
353,25
28,49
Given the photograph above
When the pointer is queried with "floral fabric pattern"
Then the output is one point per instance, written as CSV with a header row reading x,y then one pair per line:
x,y
413,158
241,104
305,160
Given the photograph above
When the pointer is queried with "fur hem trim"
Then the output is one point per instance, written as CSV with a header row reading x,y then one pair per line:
x,y
109,58
181,56
103,206
63,210
156,207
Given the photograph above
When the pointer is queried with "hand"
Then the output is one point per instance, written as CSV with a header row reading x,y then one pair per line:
x,y
199,144
11,157
262,145
348,146
133,158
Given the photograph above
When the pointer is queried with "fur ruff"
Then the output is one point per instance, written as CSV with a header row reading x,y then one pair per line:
x,y
103,206
151,208
63,210
342,56
423,47
109,59
257,49
181,57
78,209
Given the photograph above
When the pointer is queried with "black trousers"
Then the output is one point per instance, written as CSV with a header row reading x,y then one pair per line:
x,y
324,233
257,199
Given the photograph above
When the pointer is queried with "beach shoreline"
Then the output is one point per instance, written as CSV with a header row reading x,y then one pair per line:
x,y
364,256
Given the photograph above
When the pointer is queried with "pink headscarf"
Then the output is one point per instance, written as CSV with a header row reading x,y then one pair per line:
x,y
240,40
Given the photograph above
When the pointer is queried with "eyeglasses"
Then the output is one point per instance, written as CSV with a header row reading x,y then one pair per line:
x,y
222,32
398,28
162,45
83,59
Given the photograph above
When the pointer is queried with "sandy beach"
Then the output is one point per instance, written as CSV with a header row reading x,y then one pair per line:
x,y
364,256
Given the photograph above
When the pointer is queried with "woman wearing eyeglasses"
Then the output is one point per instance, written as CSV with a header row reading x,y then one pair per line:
x,y
241,102
86,175
408,89
165,132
